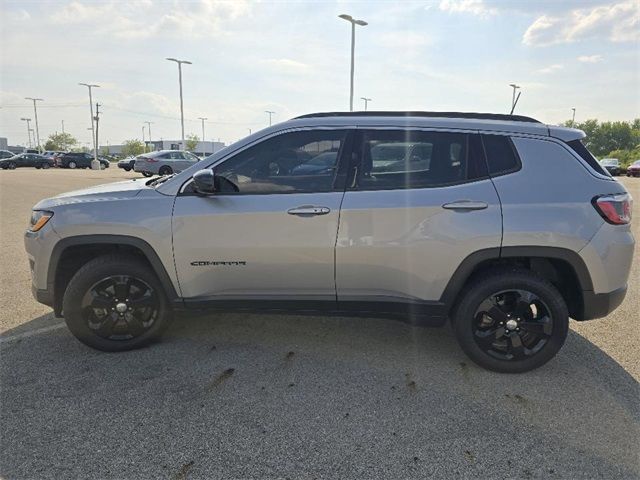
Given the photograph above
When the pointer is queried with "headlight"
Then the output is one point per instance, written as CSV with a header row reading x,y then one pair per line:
x,y
39,219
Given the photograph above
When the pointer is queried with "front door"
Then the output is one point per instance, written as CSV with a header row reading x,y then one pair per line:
x,y
420,204
274,238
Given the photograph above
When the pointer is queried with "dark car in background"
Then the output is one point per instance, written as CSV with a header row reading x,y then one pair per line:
x,y
78,160
127,163
6,154
26,160
612,165
633,170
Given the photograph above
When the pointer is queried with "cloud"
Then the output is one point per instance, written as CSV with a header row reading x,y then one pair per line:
x,y
618,22
551,68
286,65
590,58
139,19
474,7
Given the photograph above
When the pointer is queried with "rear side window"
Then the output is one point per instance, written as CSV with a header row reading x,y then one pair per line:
x,y
404,159
585,154
501,154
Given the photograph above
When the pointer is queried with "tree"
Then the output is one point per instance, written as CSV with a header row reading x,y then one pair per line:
x,y
604,138
60,141
104,150
133,147
192,142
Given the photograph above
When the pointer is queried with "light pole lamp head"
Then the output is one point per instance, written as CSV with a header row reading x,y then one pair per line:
x,y
25,119
171,59
513,85
349,18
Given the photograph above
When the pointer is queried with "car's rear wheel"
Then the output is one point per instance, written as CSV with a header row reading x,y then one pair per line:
x,y
45,165
511,321
126,169
11,166
116,303
147,174
165,170
72,164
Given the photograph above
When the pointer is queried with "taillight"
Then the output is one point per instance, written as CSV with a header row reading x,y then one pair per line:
x,y
615,209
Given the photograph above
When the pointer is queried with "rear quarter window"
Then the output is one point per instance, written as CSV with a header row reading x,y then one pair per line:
x,y
501,154
578,147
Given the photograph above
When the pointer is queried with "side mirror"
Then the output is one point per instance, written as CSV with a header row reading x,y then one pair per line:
x,y
204,182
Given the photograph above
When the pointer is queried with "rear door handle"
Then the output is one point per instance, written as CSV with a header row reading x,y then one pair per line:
x,y
465,205
308,210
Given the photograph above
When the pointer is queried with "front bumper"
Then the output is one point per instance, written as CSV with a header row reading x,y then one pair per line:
x,y
598,305
42,296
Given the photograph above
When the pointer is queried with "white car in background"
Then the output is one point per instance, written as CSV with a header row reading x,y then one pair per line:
x,y
164,162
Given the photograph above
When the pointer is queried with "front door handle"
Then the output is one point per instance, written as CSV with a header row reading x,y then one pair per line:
x,y
465,205
308,210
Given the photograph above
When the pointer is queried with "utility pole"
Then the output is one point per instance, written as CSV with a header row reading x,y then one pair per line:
x,y
28,129
180,62
97,123
95,165
353,22
149,132
143,142
573,118
203,119
62,126
366,102
269,112
35,112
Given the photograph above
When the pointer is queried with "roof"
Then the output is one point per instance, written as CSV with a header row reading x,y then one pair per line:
x,y
469,115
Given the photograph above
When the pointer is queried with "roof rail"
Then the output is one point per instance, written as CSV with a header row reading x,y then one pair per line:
x,y
471,115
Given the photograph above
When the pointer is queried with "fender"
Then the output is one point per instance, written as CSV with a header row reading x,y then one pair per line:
x,y
146,249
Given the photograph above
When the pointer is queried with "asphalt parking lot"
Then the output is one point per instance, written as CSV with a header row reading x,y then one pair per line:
x,y
247,396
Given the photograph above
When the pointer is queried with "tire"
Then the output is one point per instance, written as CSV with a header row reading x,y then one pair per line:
x,y
91,306
147,174
127,169
11,166
45,166
537,328
165,170
37,167
72,164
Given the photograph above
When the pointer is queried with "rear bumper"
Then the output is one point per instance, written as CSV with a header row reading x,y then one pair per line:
x,y
598,305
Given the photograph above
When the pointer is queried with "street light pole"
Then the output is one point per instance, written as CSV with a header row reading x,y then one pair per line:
x,y
270,113
149,131
513,97
95,165
353,22
180,62
573,118
203,119
366,102
35,112
143,142
28,129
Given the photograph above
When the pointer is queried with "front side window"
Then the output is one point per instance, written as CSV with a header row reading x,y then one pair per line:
x,y
417,159
296,162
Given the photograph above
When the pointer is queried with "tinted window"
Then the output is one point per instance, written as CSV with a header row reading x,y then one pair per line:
x,y
581,150
292,162
501,154
417,159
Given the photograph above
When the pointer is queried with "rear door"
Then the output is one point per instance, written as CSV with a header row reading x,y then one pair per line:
x,y
420,203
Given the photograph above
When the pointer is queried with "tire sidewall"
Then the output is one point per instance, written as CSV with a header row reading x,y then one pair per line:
x,y
88,276
485,287
72,165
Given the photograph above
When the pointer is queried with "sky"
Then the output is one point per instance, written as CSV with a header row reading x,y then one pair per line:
x,y
293,57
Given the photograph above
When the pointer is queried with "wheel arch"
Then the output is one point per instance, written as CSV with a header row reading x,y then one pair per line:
x,y
71,253
562,267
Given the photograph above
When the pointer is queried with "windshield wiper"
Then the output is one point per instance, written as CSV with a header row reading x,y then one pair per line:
x,y
157,181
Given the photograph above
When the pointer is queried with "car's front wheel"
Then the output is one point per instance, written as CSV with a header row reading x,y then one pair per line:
x,y
165,170
511,321
115,303
45,166
72,165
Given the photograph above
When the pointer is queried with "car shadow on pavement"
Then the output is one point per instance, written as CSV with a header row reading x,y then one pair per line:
x,y
270,396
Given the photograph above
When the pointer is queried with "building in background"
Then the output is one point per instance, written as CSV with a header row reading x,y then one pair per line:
x,y
202,148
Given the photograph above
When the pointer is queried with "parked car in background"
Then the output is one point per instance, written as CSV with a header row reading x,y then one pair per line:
x,y
78,160
612,165
164,162
6,154
127,163
52,153
26,160
633,170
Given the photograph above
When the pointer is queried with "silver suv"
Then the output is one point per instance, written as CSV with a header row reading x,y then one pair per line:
x,y
164,162
502,224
